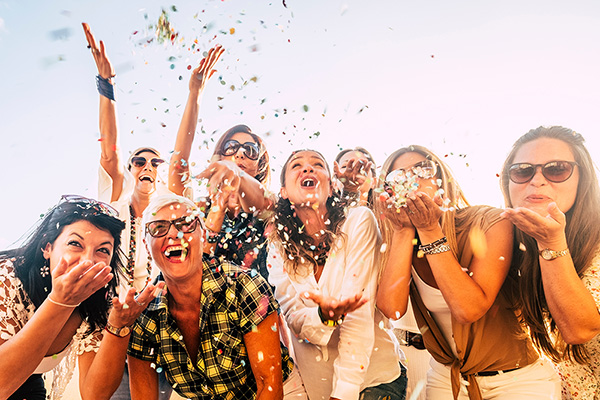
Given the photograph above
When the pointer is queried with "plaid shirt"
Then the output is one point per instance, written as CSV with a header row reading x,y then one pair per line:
x,y
233,302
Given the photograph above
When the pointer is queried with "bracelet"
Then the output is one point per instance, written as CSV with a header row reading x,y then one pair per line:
x,y
105,88
61,304
437,247
330,322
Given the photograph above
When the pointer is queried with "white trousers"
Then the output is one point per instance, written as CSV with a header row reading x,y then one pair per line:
x,y
293,387
536,381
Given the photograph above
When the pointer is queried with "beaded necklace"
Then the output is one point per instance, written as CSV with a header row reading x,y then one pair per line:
x,y
132,249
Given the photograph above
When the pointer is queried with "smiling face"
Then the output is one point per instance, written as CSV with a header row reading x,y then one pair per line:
x,y
411,159
307,180
240,158
178,253
145,176
78,242
361,157
539,192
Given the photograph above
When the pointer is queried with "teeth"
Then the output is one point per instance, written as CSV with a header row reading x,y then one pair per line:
x,y
308,182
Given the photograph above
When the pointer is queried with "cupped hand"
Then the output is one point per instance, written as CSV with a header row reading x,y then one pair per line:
x,y
204,71
74,286
125,313
105,68
221,175
398,216
548,231
423,211
335,309
354,175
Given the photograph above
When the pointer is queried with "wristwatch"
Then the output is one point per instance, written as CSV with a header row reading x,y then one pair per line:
x,y
120,332
549,255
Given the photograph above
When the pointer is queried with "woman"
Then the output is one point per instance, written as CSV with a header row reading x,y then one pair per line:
x,y
355,169
237,176
324,268
550,184
215,332
457,271
55,295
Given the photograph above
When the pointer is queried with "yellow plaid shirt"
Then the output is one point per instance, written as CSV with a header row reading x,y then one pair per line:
x,y
234,300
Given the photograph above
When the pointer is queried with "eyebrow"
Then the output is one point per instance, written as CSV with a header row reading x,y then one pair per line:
x,y
82,238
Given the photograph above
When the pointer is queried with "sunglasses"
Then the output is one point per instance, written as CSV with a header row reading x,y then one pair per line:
x,y
231,147
553,171
139,161
86,203
161,227
425,169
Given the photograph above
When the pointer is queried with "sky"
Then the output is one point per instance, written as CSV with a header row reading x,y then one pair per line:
x,y
464,78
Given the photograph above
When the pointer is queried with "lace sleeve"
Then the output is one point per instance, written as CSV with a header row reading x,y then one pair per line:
x,y
15,307
86,343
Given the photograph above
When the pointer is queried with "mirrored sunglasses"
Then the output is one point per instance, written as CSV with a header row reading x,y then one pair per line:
x,y
139,161
553,171
425,169
251,149
160,228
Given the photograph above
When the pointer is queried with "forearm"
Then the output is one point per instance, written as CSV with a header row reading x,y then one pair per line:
x,y
269,389
179,168
392,294
101,374
570,303
253,195
143,379
23,352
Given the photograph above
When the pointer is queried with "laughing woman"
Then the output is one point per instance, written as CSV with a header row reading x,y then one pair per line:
x,y
550,183
324,268
55,295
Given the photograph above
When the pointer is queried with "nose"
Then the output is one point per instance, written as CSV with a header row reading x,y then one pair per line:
x,y
240,153
308,168
538,177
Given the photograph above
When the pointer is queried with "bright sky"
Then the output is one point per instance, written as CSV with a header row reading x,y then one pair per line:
x,y
465,78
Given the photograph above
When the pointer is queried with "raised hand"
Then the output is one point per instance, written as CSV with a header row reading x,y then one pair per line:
x,y
222,175
105,68
423,211
548,231
398,216
205,70
354,175
335,309
126,312
70,288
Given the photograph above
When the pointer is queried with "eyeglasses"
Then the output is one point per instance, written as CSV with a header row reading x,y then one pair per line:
x,y
425,169
231,147
553,171
87,203
140,161
161,227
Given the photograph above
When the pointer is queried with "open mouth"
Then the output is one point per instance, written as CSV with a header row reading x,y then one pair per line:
x,y
308,182
146,178
176,253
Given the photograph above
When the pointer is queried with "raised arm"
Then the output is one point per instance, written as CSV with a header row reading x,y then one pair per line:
x,y
394,283
571,304
110,157
100,373
469,294
179,168
24,351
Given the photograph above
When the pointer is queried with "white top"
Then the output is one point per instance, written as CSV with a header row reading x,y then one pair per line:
x,y
105,182
437,306
582,381
407,322
16,308
361,352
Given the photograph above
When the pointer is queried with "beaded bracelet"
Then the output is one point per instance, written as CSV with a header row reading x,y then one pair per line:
x,y
105,88
330,322
437,247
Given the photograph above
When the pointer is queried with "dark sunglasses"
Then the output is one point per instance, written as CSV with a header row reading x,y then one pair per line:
x,y
87,203
553,171
231,147
161,227
140,161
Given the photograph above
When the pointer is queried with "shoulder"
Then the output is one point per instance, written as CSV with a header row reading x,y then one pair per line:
x,y
8,276
360,217
482,217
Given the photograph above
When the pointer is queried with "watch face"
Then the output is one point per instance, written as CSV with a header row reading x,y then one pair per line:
x,y
546,254
124,331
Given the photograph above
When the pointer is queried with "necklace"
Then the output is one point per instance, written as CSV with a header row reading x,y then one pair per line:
x,y
132,249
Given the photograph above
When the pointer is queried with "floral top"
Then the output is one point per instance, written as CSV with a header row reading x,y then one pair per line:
x,y
579,381
16,308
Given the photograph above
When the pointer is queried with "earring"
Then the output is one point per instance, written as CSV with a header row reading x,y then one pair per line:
x,y
45,270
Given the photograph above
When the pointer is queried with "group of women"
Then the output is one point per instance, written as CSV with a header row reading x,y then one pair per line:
x,y
245,294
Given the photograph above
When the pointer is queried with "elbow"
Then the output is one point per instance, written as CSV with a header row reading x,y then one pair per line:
x,y
469,316
391,311
579,336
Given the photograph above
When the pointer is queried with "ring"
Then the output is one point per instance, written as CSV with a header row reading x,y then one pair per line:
x,y
138,303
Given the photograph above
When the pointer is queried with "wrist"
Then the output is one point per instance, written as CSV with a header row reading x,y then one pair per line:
x,y
333,322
